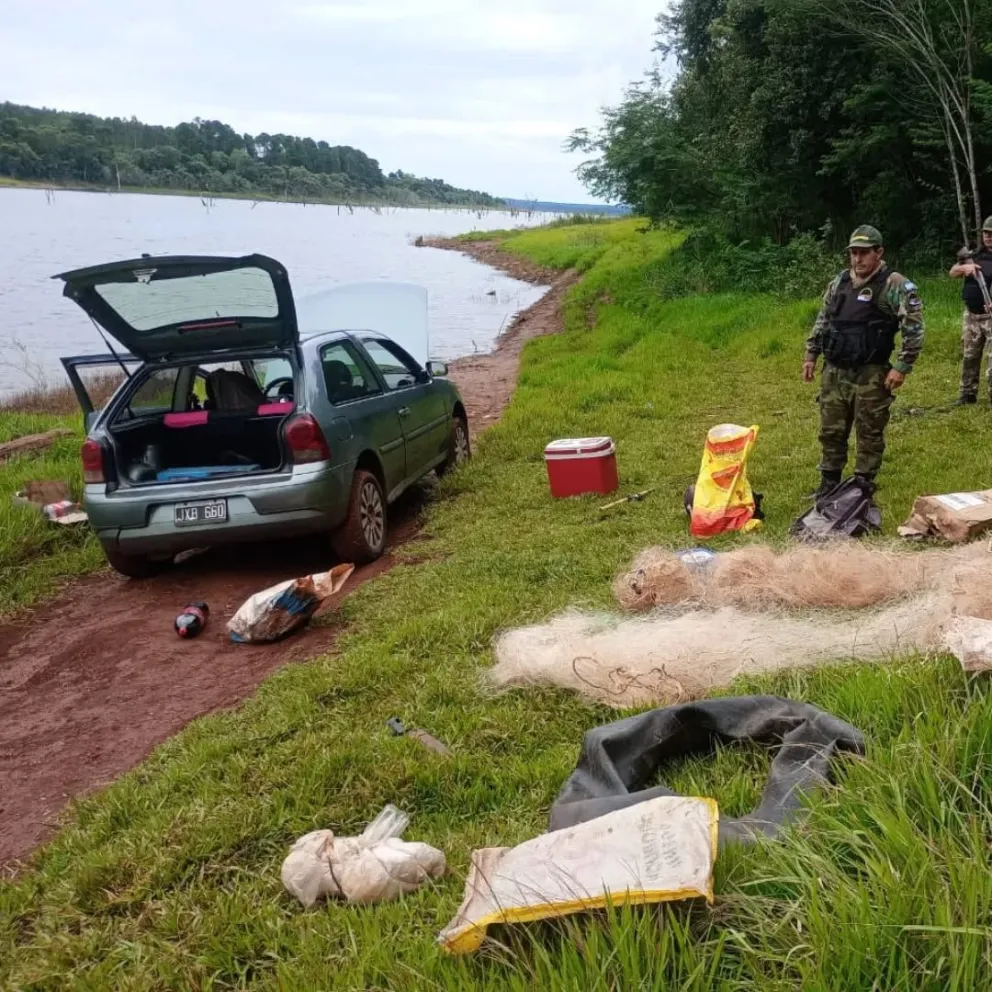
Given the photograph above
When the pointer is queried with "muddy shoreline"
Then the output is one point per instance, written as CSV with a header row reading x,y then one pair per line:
x,y
487,381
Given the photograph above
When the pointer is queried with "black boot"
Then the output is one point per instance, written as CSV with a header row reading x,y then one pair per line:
x,y
866,483
828,482
966,400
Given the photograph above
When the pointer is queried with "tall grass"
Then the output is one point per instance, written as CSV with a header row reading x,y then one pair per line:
x,y
43,396
58,400
170,878
35,554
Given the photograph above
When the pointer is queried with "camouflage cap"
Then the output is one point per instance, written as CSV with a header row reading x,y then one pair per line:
x,y
866,236
987,226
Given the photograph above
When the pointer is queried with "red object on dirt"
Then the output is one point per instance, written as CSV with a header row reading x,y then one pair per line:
x,y
192,620
582,465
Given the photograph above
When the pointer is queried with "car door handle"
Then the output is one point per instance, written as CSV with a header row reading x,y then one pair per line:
x,y
404,411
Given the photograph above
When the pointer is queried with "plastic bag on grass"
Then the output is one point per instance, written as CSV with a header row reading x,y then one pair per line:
x,y
374,867
281,609
722,498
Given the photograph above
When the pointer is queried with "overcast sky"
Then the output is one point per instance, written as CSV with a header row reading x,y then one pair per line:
x,y
481,94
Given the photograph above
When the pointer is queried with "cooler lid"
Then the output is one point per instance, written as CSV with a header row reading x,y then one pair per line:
x,y
580,446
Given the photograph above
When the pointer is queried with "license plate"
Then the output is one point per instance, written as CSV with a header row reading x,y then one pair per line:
x,y
205,511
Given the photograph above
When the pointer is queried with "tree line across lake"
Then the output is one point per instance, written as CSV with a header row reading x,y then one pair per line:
x,y
209,157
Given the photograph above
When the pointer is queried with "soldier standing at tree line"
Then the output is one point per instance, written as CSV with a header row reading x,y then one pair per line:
x,y
863,310
976,328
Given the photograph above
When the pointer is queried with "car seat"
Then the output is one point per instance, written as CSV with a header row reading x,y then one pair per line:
x,y
337,376
230,392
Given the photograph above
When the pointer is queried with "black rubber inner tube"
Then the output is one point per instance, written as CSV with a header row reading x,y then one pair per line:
x,y
618,759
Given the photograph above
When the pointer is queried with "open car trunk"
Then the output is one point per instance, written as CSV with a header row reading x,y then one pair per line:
x,y
168,306
163,309
200,445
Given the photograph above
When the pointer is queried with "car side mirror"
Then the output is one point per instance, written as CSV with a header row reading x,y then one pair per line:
x,y
437,369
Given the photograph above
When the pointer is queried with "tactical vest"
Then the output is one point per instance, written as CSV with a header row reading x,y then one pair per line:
x,y
971,292
859,332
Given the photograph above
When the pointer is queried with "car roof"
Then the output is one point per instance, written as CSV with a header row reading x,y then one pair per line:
x,y
339,334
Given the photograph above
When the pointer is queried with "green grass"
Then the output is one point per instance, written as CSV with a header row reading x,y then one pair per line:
x,y
36,554
170,878
537,248
579,246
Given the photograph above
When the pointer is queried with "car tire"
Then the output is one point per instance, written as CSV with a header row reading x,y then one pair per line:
x,y
459,447
362,537
133,566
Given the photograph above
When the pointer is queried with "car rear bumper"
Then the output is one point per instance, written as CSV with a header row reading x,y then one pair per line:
x,y
142,521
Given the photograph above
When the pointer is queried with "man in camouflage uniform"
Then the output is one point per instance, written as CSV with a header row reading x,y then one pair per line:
x,y
863,310
976,327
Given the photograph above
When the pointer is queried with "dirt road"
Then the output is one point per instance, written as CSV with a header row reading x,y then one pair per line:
x,y
96,678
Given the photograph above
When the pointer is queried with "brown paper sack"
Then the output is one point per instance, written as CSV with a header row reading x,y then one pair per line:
x,y
955,517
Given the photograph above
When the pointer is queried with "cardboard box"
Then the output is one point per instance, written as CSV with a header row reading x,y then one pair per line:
x,y
955,517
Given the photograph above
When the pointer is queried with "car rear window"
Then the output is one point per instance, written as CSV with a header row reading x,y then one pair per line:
x,y
148,303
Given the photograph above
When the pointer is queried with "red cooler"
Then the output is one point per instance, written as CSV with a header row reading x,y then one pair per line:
x,y
582,465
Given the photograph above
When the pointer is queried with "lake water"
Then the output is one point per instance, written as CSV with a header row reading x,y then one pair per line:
x,y
42,234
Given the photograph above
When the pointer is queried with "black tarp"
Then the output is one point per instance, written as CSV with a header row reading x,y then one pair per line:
x,y
619,759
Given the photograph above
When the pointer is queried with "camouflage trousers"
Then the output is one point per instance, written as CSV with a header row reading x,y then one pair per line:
x,y
976,336
854,399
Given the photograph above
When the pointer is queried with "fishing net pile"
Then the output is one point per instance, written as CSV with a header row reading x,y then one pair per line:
x,y
752,610
849,576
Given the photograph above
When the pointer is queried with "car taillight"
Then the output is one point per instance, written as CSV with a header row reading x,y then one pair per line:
x,y
306,440
92,455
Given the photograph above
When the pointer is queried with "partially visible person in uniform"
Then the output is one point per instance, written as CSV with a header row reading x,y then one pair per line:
x,y
976,328
863,310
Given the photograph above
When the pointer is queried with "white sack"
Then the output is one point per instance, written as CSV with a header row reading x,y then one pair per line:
x,y
374,867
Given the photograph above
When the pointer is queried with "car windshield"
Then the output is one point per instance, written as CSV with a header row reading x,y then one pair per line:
x,y
147,303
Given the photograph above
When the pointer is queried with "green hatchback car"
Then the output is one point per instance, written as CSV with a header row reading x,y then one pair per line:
x,y
244,415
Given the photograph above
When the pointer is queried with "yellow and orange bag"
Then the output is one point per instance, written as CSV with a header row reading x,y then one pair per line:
x,y
723,499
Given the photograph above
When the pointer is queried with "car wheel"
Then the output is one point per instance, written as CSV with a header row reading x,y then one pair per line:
x,y
133,566
459,449
362,537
